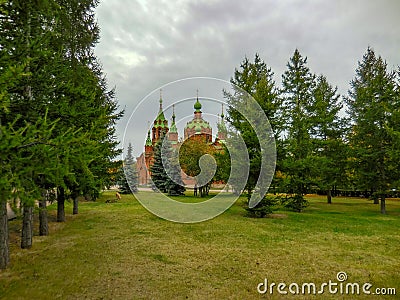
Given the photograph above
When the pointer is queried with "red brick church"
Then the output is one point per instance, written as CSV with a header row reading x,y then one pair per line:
x,y
197,129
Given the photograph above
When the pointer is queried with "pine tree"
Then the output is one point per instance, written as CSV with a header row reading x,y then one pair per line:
x,y
256,78
26,29
298,165
174,185
128,178
123,186
158,172
85,103
47,48
165,171
372,105
327,133
394,131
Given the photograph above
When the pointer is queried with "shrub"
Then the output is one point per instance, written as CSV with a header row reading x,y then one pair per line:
x,y
263,208
295,202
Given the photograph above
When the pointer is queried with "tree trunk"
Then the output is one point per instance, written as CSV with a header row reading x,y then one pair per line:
x,y
4,247
76,204
383,204
329,196
376,198
43,222
27,227
60,205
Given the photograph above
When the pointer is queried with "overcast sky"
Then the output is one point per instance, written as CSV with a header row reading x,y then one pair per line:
x,y
147,44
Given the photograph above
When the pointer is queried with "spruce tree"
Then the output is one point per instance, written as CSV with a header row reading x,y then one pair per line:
x,y
165,171
174,185
159,175
123,186
372,106
128,178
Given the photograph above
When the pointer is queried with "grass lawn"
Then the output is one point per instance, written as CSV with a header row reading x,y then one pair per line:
x,y
121,251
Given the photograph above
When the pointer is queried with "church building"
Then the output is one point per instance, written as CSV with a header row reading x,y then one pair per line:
x,y
197,129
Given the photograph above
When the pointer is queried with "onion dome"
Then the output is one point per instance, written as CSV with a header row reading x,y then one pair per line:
x,y
197,105
197,125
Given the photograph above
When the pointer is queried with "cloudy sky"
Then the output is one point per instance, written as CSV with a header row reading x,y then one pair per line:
x,y
147,44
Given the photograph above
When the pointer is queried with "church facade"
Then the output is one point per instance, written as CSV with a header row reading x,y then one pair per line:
x,y
197,129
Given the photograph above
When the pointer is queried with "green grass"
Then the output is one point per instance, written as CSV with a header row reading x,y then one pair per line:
x,y
121,251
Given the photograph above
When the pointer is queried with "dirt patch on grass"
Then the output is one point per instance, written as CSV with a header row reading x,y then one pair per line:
x,y
277,216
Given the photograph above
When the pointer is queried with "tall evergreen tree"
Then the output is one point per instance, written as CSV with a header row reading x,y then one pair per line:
x,y
372,105
393,130
174,184
298,165
327,133
256,78
86,102
159,175
47,47
165,171
25,34
128,178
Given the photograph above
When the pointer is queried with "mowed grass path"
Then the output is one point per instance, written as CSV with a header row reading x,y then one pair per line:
x,y
121,251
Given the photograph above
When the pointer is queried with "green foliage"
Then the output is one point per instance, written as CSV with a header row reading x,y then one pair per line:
x,y
327,132
373,103
128,175
223,160
298,84
165,171
256,78
190,153
173,183
264,207
159,175
51,77
295,202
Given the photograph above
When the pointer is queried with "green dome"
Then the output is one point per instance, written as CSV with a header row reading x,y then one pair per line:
x,y
197,105
198,124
